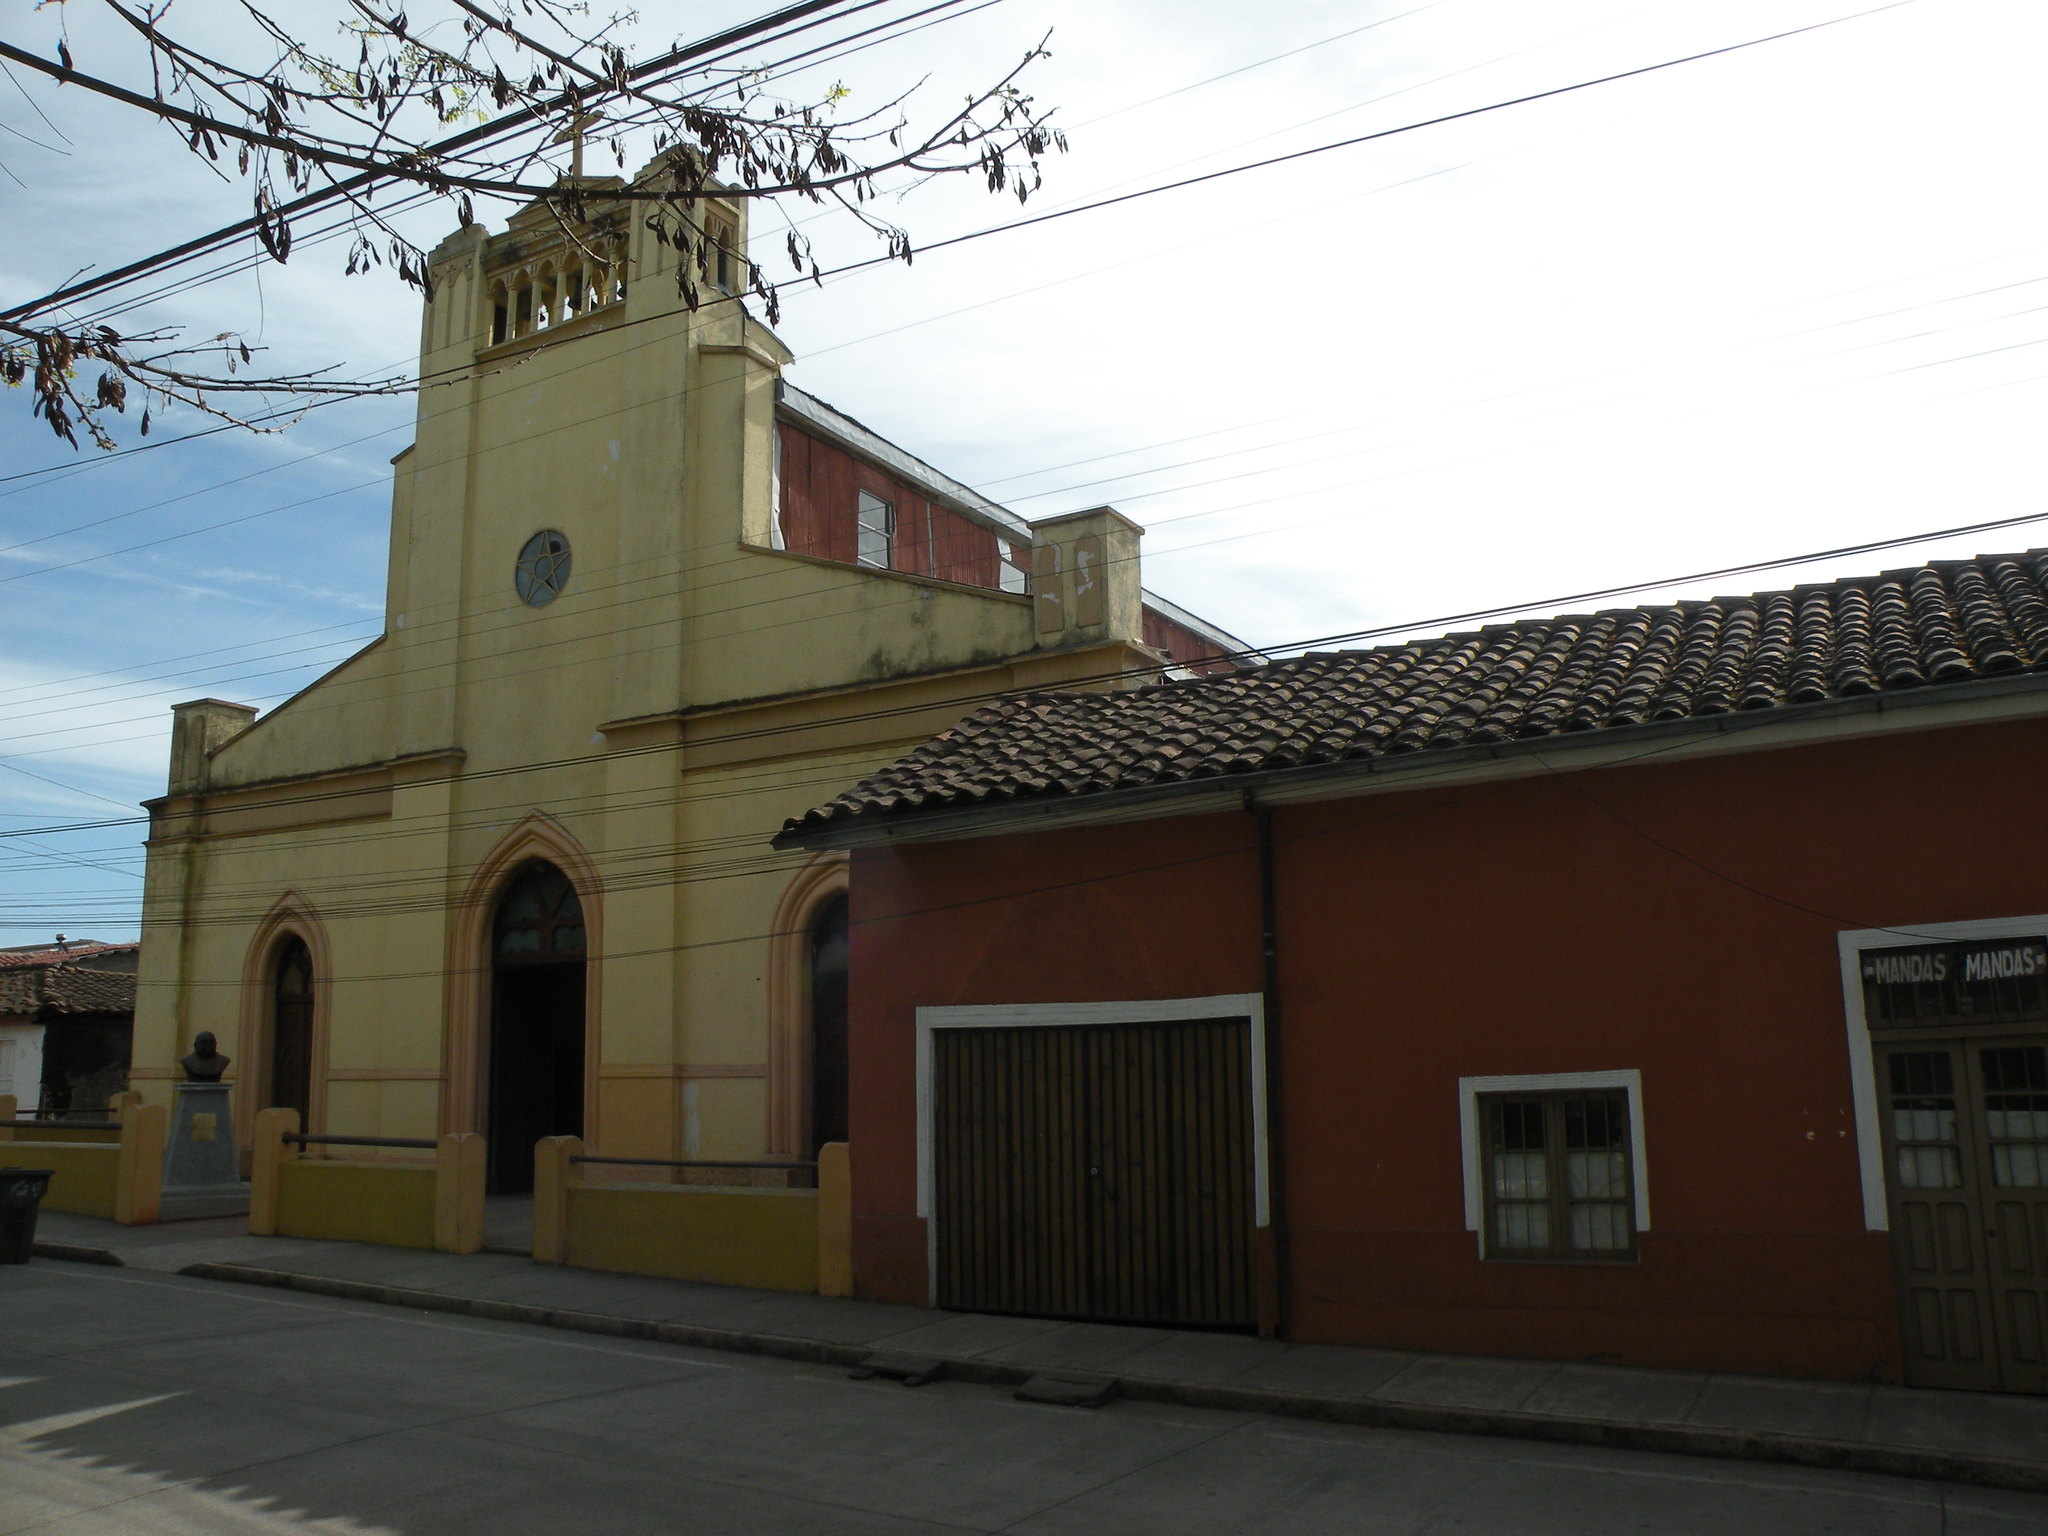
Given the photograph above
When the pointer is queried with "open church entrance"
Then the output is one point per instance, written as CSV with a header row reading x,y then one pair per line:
x,y
291,1030
536,1081
828,1024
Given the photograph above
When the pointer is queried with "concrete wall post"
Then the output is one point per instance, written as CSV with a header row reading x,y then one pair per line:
x,y
267,1149
835,1221
119,1105
1084,585
199,728
139,1174
552,1173
459,1193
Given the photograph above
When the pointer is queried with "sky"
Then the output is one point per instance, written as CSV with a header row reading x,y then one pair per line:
x,y
1784,300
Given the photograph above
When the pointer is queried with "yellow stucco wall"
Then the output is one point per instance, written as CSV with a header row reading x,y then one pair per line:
x,y
765,1238
356,1202
690,689
85,1177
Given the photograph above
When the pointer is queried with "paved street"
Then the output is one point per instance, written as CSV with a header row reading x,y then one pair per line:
x,y
136,1402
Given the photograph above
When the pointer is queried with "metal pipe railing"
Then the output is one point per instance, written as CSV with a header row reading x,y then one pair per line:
x,y
686,1162
293,1138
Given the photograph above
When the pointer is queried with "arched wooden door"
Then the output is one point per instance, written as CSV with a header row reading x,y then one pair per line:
x,y
537,992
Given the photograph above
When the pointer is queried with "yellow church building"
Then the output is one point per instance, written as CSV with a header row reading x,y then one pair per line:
x,y
506,869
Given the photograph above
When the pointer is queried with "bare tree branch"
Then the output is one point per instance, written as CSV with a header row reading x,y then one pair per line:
x,y
304,126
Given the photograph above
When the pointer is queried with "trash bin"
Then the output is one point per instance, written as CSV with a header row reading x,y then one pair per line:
x,y
21,1196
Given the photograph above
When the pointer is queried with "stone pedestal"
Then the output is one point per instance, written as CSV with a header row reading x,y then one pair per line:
x,y
199,1155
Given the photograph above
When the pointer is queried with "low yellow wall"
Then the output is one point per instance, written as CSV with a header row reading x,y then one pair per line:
x,y
356,1201
86,1176
766,1238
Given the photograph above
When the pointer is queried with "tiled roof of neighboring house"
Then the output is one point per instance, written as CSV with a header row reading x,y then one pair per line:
x,y
11,959
1943,623
64,989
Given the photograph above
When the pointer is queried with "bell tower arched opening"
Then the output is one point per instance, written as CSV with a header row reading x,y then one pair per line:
x,y
538,952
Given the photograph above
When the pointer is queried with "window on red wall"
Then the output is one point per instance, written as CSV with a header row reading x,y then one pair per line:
x,y
1557,1177
1011,575
876,536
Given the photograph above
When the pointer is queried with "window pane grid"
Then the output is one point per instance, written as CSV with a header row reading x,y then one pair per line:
x,y
1924,1136
1557,1177
876,531
2016,1114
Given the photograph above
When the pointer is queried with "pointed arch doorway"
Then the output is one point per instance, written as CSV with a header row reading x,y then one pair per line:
x,y
290,1084
828,1096
538,953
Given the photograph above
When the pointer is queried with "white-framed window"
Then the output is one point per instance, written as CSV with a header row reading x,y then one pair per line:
x,y
776,540
875,537
1010,574
1554,1166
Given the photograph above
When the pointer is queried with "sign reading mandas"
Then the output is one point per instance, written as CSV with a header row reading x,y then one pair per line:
x,y
1978,981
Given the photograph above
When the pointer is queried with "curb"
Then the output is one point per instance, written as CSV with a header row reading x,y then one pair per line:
x,y
1610,1434
77,1253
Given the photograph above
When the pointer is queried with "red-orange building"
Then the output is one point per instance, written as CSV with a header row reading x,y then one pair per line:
x,y
1665,986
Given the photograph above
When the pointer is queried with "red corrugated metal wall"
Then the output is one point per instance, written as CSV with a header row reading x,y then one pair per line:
x,y
1183,645
821,486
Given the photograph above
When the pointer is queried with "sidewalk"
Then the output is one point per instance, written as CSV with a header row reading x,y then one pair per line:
x,y
1983,1438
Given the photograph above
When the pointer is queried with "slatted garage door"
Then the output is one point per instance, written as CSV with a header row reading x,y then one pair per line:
x,y
1096,1171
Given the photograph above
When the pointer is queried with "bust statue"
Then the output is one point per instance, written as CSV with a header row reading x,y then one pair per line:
x,y
205,1063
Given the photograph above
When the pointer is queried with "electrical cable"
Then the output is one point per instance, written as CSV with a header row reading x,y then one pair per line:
x,y
660,623
1929,365
519,120
1159,523
1192,181
413,200
1352,142
1379,631
1381,813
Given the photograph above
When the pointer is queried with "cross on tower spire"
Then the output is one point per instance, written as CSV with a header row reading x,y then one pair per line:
x,y
572,135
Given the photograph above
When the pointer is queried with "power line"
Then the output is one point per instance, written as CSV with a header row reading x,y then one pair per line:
x,y
893,29
1381,812
1350,637
518,120
244,263
1987,525
1191,181
1165,522
1321,149
1265,446
658,623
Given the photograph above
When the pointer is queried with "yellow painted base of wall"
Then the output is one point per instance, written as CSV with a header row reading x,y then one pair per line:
x,y
86,1176
356,1202
764,1238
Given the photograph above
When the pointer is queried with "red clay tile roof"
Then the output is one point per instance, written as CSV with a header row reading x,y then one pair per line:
x,y
1943,623
51,955
41,991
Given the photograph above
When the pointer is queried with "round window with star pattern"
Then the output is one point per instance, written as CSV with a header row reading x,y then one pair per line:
x,y
543,568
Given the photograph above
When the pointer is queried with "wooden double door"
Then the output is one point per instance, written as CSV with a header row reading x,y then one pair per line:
x,y
1966,1150
1095,1171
